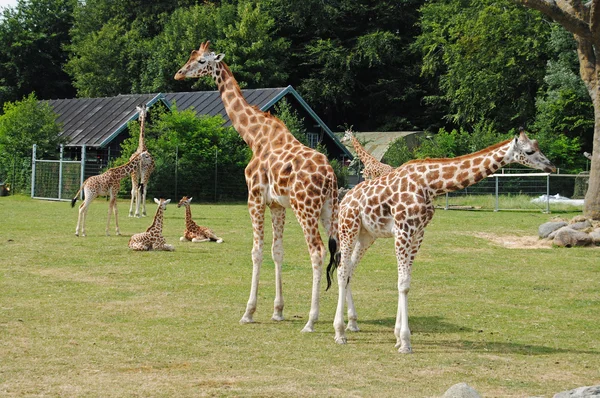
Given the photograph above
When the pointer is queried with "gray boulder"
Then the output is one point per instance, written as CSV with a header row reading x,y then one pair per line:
x,y
568,237
581,225
581,392
547,228
595,234
461,390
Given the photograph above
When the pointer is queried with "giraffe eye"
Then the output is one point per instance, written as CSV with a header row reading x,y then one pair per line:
x,y
202,61
529,153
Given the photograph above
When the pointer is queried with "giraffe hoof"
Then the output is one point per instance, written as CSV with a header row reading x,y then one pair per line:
x,y
341,340
308,329
405,350
352,327
246,319
277,317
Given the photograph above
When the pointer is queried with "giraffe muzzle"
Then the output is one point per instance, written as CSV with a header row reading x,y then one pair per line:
x,y
179,76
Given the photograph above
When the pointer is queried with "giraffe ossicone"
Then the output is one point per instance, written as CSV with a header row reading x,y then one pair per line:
x,y
107,183
282,173
399,205
153,239
194,232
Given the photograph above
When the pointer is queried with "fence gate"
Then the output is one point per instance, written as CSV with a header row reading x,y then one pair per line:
x,y
56,179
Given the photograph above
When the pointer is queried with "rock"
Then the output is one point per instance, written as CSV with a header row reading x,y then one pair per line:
x,y
553,234
547,228
577,219
568,237
578,226
581,392
595,234
461,390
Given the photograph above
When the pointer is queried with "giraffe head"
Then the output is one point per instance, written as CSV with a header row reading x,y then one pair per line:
x,y
527,152
141,109
202,62
347,136
185,201
162,202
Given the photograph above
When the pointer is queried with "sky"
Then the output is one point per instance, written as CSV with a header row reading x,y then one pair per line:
x,y
8,3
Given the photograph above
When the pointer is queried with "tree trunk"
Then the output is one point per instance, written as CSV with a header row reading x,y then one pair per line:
x,y
592,197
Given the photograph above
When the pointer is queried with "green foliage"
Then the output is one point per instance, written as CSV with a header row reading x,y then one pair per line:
x,y
398,153
23,124
186,149
32,37
289,116
565,113
488,56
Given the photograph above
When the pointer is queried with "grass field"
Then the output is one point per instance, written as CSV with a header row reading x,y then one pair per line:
x,y
88,317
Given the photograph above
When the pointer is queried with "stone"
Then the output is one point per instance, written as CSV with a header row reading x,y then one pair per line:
x,y
568,237
581,392
577,219
595,234
547,228
578,226
461,390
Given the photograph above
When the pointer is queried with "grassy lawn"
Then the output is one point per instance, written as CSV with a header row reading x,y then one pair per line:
x,y
88,317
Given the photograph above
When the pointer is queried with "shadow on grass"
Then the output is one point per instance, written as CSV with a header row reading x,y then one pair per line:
x,y
429,325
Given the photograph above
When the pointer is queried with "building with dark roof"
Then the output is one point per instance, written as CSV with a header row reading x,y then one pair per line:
x,y
101,124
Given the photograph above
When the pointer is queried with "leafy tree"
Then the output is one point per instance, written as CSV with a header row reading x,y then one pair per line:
x,y
581,19
32,39
23,124
398,153
488,56
184,147
289,116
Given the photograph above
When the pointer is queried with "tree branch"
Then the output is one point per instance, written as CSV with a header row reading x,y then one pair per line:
x,y
595,17
561,13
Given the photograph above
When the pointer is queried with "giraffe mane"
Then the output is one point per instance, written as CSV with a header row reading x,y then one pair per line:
x,y
462,157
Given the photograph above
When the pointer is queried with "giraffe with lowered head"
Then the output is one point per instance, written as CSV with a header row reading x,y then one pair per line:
x,y
107,183
141,176
282,173
399,205
373,168
194,232
153,239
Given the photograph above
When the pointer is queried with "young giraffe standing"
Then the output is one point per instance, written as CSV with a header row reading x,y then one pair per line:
x,y
152,239
194,232
400,205
141,176
373,168
282,173
107,183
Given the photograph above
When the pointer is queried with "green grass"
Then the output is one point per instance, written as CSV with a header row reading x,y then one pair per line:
x,y
88,317
505,202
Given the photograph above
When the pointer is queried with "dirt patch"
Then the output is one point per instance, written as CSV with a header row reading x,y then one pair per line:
x,y
516,242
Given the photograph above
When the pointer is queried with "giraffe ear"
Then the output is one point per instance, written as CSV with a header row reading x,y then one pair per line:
x,y
156,201
167,201
190,199
219,57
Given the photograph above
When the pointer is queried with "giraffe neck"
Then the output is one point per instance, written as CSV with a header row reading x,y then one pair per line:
x,y
142,141
126,169
362,154
236,106
448,175
188,217
157,223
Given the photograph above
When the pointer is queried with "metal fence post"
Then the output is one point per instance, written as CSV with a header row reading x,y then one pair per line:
x,y
60,172
548,193
497,193
33,170
82,170
447,206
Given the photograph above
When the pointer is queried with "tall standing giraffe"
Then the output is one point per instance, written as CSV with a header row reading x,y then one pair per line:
x,y
373,168
141,176
107,183
153,239
400,205
282,173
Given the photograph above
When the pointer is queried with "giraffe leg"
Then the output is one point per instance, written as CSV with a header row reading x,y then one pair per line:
x,y
310,226
142,198
365,240
134,192
116,211
257,214
200,240
407,244
278,222
83,208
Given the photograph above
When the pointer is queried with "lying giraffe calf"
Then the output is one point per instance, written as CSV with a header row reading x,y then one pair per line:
x,y
152,239
193,231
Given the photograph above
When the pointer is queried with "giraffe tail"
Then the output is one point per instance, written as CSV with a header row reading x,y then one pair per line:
x,y
334,260
76,196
